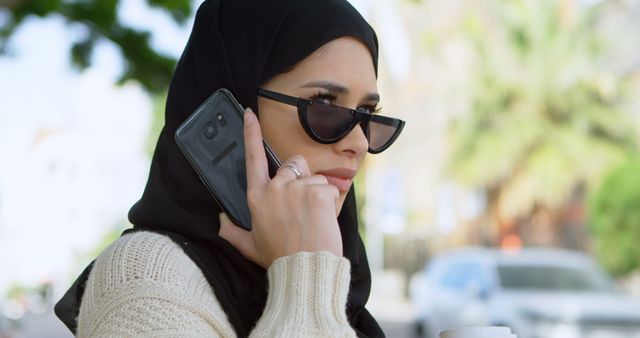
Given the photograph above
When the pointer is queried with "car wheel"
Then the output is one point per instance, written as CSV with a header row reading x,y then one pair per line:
x,y
421,329
418,331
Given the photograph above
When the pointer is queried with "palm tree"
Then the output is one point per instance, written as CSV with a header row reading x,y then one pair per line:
x,y
546,116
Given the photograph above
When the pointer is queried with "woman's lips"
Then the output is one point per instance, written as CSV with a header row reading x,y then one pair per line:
x,y
341,178
343,184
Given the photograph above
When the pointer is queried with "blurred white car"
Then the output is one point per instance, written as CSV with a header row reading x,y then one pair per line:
x,y
5,326
539,293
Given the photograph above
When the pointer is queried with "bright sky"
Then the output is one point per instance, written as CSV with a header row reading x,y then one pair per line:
x,y
71,144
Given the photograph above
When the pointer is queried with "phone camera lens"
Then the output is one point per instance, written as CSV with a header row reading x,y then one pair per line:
x,y
221,119
210,129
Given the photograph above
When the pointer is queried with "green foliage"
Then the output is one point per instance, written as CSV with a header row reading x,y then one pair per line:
x,y
179,10
107,239
152,69
615,219
546,115
157,122
15,290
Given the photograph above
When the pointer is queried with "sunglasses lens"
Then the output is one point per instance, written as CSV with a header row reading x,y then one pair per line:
x,y
328,122
380,134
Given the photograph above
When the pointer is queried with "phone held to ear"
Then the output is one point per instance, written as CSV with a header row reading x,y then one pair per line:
x,y
212,140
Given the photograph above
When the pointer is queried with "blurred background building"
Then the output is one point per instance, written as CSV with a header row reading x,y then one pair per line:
x,y
523,127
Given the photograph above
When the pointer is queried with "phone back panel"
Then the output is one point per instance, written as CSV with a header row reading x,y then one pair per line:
x,y
212,140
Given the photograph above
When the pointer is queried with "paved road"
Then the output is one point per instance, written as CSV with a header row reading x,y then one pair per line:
x,y
44,325
48,326
397,329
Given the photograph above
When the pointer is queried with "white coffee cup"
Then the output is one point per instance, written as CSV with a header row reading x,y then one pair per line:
x,y
478,332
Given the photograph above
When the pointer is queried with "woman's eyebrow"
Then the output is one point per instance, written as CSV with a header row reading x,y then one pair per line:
x,y
337,88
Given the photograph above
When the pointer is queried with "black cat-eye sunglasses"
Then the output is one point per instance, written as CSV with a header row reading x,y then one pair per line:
x,y
329,123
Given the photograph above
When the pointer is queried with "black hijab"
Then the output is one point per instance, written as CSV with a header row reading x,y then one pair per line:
x,y
238,45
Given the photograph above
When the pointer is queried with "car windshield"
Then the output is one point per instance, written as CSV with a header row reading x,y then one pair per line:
x,y
552,278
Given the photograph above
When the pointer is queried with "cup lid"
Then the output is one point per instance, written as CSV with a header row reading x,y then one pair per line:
x,y
478,332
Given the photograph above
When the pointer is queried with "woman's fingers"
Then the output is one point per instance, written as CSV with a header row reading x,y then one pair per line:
x,y
256,160
302,162
331,192
290,213
241,239
290,169
315,179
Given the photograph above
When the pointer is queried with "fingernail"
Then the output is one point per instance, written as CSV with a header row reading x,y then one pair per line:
x,y
248,116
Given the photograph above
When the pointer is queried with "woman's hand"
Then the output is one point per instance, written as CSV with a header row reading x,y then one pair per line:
x,y
288,214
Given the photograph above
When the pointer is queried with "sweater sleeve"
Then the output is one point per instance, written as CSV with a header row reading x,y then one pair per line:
x,y
144,285
307,297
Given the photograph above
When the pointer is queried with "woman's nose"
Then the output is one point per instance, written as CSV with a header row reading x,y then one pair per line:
x,y
354,144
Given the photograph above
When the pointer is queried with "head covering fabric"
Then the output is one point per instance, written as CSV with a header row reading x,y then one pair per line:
x,y
238,45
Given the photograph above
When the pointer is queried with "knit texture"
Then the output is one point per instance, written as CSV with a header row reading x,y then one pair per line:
x,y
144,285
307,297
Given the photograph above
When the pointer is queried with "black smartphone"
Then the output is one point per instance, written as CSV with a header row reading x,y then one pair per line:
x,y
212,140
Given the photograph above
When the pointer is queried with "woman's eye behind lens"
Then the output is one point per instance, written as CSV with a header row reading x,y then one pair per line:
x,y
324,98
370,109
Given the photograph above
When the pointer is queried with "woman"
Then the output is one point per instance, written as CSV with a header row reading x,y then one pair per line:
x,y
185,269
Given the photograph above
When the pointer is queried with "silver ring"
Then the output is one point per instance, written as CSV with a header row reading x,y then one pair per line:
x,y
293,166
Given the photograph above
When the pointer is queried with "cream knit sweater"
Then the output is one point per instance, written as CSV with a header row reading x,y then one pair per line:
x,y
144,285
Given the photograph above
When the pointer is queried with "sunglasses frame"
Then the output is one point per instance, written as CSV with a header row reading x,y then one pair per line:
x,y
359,118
